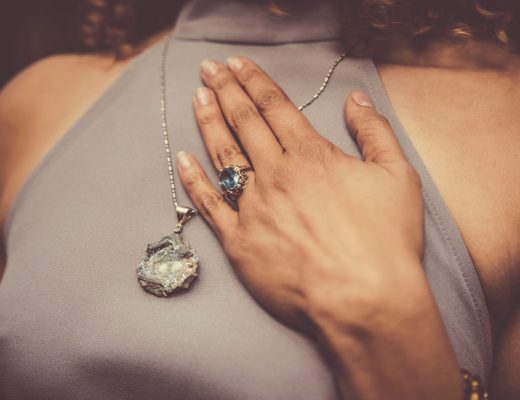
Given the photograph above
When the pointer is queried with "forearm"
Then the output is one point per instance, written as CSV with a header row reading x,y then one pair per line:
x,y
390,346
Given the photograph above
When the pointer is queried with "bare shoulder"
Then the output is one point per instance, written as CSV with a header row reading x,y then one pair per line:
x,y
39,105
56,78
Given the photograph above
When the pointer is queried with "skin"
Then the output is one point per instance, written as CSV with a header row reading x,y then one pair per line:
x,y
473,88
67,85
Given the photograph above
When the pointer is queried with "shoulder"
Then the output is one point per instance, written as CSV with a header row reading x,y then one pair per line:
x,y
38,106
44,90
56,78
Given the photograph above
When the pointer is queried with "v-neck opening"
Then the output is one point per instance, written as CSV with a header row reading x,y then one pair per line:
x,y
438,208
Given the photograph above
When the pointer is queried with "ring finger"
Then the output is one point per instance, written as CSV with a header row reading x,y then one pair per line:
x,y
220,143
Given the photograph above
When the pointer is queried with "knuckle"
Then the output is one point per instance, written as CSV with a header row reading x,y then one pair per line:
x,y
248,74
228,154
208,117
372,122
279,179
367,131
209,202
221,80
191,181
381,152
269,99
314,151
243,114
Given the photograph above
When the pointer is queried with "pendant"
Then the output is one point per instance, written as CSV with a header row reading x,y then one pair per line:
x,y
169,265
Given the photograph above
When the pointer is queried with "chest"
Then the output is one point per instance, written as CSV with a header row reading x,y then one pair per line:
x,y
105,192
469,143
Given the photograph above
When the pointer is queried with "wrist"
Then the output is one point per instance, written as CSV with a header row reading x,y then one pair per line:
x,y
387,339
375,298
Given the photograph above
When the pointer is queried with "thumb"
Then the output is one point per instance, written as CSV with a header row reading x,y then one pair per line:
x,y
371,131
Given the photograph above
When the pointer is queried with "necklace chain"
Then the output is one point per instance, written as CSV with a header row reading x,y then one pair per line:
x,y
325,82
164,124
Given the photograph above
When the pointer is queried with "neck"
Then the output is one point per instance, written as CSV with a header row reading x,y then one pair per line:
x,y
450,55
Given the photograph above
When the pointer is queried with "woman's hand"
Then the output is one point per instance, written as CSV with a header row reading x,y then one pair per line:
x,y
328,243
314,224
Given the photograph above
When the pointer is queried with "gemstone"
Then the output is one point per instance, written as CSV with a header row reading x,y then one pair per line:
x,y
229,178
168,266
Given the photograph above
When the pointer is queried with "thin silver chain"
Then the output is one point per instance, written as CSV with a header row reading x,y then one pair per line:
x,y
325,82
164,124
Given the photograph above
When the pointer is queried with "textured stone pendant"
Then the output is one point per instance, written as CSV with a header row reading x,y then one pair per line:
x,y
170,265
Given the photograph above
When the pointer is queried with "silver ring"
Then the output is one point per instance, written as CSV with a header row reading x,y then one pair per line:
x,y
233,180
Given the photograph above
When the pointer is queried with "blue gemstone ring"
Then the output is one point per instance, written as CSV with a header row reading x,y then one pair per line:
x,y
233,180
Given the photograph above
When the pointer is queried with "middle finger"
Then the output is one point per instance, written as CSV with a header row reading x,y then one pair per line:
x,y
219,141
241,114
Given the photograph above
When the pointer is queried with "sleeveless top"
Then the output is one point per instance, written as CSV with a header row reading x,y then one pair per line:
x,y
74,322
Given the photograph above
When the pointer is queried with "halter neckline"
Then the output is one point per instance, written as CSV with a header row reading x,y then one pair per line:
x,y
241,21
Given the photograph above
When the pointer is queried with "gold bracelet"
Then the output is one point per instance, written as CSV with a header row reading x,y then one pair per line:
x,y
473,390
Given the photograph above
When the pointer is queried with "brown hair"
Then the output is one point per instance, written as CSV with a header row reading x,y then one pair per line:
x,y
118,26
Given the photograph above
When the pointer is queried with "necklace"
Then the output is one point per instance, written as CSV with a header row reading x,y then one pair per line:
x,y
170,264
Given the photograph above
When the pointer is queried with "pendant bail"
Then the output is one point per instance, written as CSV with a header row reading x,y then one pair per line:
x,y
184,214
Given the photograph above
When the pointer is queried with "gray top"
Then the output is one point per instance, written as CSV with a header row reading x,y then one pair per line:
x,y
74,323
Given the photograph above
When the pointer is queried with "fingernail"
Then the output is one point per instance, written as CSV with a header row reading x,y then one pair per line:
x,y
184,159
203,96
235,63
361,99
209,67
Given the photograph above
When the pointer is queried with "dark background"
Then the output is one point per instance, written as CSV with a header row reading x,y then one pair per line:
x,y
32,29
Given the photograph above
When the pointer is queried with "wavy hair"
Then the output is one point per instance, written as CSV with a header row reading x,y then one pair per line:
x,y
118,26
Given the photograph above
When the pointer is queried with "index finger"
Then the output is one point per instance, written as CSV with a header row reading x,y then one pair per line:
x,y
283,117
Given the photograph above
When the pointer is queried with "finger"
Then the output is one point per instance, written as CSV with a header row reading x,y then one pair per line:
x,y
220,143
241,114
286,121
210,203
371,131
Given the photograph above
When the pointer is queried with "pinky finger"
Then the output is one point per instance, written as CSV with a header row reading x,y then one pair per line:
x,y
210,202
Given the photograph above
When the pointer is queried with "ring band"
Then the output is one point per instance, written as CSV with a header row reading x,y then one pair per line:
x,y
233,180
